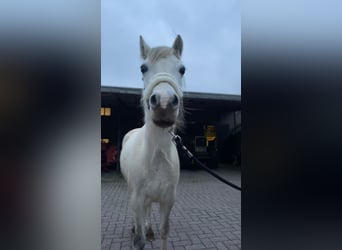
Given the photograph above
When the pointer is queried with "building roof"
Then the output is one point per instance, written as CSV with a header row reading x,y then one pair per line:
x,y
131,96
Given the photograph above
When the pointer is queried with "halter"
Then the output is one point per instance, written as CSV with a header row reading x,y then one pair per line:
x,y
157,79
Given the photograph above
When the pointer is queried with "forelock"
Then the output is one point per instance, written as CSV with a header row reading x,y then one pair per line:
x,y
158,53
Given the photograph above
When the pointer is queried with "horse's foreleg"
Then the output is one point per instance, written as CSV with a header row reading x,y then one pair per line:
x,y
148,226
138,229
165,210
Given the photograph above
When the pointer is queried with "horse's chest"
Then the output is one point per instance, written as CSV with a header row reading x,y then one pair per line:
x,y
161,175
161,178
159,188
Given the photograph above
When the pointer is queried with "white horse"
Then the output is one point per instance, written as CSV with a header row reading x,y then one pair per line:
x,y
149,159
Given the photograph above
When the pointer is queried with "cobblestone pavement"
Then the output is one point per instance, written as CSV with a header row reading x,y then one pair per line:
x,y
206,215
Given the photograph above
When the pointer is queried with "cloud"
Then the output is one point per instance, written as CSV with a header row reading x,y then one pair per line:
x,y
210,30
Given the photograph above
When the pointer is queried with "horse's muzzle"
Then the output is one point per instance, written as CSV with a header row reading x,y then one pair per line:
x,y
163,123
164,117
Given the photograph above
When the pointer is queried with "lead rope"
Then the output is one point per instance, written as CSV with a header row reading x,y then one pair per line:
x,y
178,141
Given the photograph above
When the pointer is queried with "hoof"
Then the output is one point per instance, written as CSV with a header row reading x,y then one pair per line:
x,y
137,243
149,234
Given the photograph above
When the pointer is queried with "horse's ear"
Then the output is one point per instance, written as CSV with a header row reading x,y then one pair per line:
x,y
144,48
178,46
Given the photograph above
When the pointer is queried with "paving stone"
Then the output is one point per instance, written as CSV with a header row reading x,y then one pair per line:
x,y
194,247
206,215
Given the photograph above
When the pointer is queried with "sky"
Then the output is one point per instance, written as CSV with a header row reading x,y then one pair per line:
x,y
211,32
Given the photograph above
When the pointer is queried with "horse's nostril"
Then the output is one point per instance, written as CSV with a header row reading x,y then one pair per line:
x,y
175,100
153,100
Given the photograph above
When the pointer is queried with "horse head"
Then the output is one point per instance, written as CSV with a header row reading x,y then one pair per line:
x,y
163,72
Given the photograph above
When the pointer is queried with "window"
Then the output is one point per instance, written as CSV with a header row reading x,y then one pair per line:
x,y
106,111
105,140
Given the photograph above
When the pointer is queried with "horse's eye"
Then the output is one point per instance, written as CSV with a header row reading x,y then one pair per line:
x,y
182,70
143,68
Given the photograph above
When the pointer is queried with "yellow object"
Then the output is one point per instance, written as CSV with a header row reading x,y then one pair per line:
x,y
210,133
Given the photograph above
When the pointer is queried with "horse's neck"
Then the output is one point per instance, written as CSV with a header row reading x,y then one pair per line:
x,y
158,148
157,138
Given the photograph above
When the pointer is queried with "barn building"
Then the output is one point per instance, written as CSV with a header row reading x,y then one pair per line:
x,y
212,128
